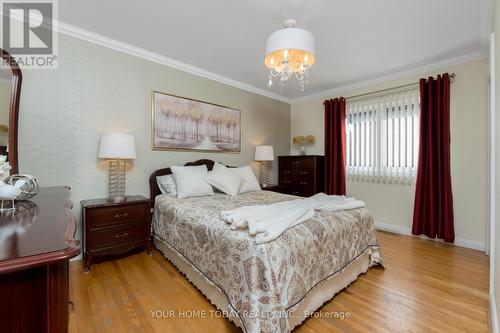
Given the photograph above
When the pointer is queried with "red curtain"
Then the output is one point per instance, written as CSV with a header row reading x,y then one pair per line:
x,y
335,146
433,210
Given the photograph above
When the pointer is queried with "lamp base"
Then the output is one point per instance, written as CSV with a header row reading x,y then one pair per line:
x,y
264,174
116,185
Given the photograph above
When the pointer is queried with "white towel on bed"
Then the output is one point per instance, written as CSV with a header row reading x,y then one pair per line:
x,y
268,222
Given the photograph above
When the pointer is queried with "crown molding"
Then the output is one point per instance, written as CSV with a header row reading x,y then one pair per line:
x,y
396,74
116,45
399,73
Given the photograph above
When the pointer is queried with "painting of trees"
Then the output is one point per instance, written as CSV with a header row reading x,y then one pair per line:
x,y
182,123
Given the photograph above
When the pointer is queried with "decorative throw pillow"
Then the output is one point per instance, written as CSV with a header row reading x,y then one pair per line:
x,y
166,184
224,179
250,182
190,181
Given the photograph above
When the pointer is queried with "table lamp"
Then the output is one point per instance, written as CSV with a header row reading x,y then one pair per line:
x,y
117,148
264,154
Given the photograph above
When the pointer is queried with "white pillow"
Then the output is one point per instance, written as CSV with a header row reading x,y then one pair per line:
x,y
190,181
250,183
225,179
166,184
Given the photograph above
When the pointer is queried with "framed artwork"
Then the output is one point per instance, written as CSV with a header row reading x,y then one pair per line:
x,y
180,123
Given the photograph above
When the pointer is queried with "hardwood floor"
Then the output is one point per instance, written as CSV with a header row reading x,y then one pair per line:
x,y
426,287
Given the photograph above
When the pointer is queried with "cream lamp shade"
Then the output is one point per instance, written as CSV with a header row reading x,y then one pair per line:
x,y
298,43
117,146
264,153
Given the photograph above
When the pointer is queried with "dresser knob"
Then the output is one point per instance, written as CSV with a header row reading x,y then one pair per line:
x,y
121,216
125,234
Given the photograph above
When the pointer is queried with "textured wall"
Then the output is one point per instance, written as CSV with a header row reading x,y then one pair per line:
x,y
95,90
4,101
393,204
495,246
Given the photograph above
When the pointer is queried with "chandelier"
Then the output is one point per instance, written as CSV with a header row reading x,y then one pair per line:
x,y
289,51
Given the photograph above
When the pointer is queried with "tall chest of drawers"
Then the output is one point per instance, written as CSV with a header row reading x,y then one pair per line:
x,y
301,175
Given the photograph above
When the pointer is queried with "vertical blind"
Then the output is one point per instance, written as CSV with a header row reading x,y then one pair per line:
x,y
382,137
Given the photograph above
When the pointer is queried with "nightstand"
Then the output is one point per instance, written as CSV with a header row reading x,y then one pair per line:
x,y
272,187
115,228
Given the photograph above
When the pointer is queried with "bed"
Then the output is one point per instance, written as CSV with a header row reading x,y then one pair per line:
x,y
271,287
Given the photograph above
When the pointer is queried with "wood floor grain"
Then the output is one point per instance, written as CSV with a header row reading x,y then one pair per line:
x,y
426,287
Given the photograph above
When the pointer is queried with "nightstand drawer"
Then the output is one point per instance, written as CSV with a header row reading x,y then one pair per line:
x,y
111,215
119,235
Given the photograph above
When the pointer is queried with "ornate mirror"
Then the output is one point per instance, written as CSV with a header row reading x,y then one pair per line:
x,y
10,92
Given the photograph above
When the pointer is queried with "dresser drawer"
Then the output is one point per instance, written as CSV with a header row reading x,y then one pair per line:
x,y
306,163
297,163
112,215
118,235
296,191
287,182
305,183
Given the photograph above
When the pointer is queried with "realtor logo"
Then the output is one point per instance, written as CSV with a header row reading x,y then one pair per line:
x,y
28,32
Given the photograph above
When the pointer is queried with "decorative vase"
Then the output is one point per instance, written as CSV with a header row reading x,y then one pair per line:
x,y
303,151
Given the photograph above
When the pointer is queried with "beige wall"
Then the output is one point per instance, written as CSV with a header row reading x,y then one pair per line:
x,y
95,90
393,204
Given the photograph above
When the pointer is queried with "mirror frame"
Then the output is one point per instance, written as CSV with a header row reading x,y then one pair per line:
x,y
15,95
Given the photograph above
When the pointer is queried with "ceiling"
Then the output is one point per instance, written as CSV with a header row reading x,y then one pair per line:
x,y
355,40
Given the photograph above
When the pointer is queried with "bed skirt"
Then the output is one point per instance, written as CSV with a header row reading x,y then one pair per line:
x,y
315,298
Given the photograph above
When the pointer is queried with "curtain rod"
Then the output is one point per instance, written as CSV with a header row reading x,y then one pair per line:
x,y
452,78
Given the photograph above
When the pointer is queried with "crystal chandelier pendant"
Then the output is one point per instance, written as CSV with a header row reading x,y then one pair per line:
x,y
289,52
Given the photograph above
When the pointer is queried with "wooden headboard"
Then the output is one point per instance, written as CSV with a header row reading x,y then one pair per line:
x,y
153,185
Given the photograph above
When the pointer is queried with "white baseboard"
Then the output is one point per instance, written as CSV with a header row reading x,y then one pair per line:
x,y
78,257
393,228
481,246
493,314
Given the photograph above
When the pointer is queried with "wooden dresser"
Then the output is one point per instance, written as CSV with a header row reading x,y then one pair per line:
x,y
36,243
301,175
115,228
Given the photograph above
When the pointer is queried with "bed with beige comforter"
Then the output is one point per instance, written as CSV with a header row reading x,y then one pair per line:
x,y
270,287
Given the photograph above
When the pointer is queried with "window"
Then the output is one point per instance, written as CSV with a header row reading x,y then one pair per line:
x,y
382,136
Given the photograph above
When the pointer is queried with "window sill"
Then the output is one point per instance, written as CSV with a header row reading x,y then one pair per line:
x,y
383,180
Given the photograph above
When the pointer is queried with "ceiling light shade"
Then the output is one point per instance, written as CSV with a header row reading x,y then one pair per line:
x,y
290,51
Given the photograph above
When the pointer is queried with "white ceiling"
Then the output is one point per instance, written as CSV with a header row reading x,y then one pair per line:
x,y
355,40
